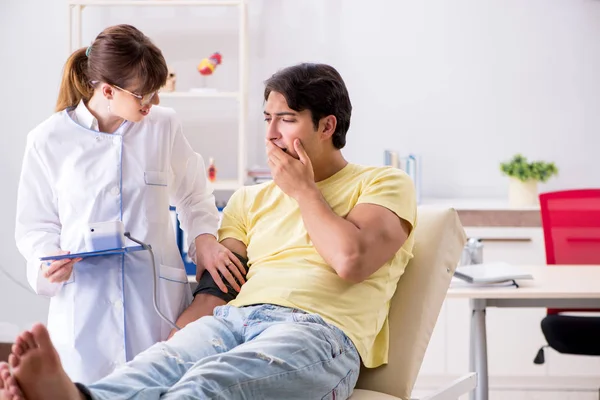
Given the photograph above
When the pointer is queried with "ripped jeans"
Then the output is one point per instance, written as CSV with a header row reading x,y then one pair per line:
x,y
256,352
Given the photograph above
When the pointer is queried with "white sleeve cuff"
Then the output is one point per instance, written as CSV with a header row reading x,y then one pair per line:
x,y
38,282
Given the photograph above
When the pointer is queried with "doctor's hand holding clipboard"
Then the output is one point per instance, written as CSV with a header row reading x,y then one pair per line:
x,y
59,271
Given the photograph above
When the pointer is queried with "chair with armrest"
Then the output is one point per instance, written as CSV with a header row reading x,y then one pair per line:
x,y
414,310
571,224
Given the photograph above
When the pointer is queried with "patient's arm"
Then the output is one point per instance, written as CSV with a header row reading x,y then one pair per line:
x,y
207,295
358,244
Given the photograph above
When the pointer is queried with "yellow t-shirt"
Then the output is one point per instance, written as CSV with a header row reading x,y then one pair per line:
x,y
286,269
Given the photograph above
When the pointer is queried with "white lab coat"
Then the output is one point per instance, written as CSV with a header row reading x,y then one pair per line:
x,y
73,175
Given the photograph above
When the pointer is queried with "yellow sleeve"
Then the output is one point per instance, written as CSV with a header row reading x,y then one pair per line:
x,y
393,189
234,222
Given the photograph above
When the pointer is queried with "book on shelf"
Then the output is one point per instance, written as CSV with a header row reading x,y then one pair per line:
x,y
259,175
259,172
410,163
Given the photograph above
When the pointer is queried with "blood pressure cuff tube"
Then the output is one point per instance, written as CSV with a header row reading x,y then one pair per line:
x,y
207,284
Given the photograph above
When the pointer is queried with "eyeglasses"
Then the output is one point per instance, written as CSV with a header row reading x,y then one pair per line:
x,y
145,99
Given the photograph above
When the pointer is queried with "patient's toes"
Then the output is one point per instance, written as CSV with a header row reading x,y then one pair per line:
x,y
21,345
28,338
14,389
14,360
4,374
17,349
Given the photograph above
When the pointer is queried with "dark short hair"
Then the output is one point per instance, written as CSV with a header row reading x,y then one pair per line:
x,y
318,88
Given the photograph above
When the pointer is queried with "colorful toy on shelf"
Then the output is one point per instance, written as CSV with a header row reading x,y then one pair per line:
x,y
212,170
208,65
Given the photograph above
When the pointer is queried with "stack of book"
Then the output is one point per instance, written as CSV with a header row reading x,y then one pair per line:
x,y
259,175
411,164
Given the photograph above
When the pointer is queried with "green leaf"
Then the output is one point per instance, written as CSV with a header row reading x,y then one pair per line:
x,y
518,167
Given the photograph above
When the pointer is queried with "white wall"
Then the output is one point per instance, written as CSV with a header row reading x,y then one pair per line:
x,y
469,83
30,64
465,83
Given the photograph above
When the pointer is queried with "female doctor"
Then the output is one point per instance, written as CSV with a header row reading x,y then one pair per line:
x,y
110,154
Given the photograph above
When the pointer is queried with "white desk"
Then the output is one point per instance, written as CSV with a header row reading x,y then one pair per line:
x,y
553,287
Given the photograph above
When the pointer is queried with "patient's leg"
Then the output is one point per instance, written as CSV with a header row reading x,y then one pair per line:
x,y
202,306
37,369
153,372
41,376
287,355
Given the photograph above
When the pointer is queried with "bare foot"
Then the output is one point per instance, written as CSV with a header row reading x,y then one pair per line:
x,y
9,390
23,344
39,372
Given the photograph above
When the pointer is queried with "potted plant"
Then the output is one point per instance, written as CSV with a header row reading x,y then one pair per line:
x,y
524,177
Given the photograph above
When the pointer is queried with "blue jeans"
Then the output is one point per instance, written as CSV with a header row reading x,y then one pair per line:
x,y
256,352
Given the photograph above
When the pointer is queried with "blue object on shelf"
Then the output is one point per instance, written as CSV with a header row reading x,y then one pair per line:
x,y
190,267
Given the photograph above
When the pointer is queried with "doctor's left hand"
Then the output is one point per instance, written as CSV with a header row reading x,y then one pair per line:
x,y
214,257
60,270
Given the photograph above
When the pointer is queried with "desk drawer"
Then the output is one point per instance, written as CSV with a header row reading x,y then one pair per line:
x,y
512,245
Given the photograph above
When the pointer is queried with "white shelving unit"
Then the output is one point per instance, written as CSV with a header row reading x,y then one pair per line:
x,y
227,185
76,8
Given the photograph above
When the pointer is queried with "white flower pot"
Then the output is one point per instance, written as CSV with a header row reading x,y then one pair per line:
x,y
523,194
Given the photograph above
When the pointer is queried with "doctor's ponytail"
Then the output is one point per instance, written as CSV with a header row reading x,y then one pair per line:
x,y
120,55
75,84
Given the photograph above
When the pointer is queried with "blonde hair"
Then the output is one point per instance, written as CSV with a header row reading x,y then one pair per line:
x,y
74,85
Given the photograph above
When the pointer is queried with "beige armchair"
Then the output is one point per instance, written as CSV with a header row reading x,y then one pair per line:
x,y
415,307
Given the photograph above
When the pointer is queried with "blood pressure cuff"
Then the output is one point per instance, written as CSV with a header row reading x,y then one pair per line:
x,y
87,395
207,284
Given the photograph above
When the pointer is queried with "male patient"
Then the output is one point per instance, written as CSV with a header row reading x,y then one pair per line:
x,y
326,242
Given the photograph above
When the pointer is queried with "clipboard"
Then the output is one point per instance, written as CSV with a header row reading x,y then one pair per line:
x,y
87,254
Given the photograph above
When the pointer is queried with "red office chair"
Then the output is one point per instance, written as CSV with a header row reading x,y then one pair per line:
x,y
571,224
